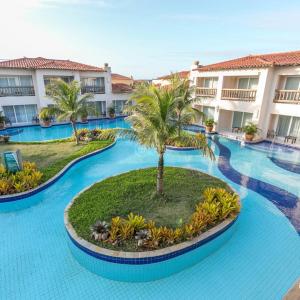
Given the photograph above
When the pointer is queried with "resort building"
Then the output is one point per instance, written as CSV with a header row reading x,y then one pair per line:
x,y
23,84
263,89
165,80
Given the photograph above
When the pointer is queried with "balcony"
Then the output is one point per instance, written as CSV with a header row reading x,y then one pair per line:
x,y
287,96
92,89
206,92
238,94
16,91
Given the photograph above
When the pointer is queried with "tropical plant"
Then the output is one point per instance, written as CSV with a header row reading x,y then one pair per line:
x,y
184,112
141,237
126,231
69,104
100,231
111,111
45,115
29,177
209,122
217,205
250,128
152,118
2,119
115,227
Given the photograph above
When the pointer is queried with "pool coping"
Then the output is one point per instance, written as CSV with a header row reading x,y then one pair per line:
x,y
58,124
52,180
294,292
174,148
143,257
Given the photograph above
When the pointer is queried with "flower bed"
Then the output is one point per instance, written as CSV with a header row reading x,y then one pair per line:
x,y
32,177
121,213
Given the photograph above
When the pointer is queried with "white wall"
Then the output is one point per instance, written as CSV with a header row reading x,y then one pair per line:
x,y
262,107
40,98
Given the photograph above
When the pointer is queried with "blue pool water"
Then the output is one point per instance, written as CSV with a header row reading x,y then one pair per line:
x,y
260,261
38,133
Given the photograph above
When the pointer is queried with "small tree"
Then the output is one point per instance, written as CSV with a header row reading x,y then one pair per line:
x,y
69,104
151,116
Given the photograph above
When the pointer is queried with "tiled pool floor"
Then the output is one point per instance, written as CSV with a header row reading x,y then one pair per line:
x,y
261,260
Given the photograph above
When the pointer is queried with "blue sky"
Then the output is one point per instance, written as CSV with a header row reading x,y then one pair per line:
x,y
147,38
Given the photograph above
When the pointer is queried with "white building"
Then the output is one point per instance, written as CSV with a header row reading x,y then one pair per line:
x,y
263,89
23,82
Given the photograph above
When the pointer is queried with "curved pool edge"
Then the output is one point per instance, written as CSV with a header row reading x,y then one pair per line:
x,y
146,265
23,195
283,200
174,148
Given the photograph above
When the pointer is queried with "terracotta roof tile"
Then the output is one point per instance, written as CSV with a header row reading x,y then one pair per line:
x,y
121,88
45,63
256,61
119,76
181,74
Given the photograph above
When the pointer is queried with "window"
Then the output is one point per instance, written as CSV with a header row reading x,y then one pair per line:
x,y
295,126
209,112
100,107
20,113
119,106
288,125
93,81
210,82
92,85
240,119
248,83
49,79
292,83
16,81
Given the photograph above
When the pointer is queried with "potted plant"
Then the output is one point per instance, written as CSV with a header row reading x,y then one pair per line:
x,y
84,117
209,124
2,120
250,130
45,117
111,112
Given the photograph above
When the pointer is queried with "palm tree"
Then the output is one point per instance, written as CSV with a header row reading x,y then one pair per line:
x,y
185,113
151,116
69,104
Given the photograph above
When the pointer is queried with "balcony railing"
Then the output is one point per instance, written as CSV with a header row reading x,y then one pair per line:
x,y
206,92
238,94
93,89
287,96
16,91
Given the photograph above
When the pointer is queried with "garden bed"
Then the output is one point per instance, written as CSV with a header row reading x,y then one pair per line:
x,y
51,157
132,196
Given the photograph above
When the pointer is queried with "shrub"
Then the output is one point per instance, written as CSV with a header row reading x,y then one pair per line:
x,y
210,122
21,181
96,134
217,205
250,128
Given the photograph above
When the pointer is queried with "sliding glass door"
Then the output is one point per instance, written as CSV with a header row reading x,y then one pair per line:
x,y
240,119
20,113
288,125
209,112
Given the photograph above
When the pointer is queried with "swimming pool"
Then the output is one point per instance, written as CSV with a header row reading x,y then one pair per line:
x,y
260,261
35,133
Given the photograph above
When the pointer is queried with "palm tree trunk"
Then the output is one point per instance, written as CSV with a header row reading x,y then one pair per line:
x,y
75,131
179,125
160,174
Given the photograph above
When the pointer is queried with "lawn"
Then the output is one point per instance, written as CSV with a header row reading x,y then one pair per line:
x,y
135,192
50,158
